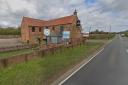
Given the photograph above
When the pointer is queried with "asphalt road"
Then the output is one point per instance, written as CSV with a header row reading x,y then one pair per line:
x,y
110,67
10,42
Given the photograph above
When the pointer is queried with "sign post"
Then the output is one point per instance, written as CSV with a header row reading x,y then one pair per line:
x,y
66,36
47,33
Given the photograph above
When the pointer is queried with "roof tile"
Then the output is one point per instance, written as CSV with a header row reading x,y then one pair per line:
x,y
59,21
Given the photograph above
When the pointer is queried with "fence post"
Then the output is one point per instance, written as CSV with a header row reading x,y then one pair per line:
x,y
26,57
5,63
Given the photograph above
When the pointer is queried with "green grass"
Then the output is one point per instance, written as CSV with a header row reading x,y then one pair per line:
x,y
36,72
10,31
14,53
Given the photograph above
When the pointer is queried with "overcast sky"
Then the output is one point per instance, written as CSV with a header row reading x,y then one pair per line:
x,y
99,14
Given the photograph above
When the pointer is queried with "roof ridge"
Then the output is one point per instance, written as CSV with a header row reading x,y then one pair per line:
x,y
60,18
48,20
33,18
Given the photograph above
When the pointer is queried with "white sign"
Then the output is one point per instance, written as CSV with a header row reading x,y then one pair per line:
x,y
86,34
46,32
66,34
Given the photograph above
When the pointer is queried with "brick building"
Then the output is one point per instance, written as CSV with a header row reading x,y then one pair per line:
x,y
32,30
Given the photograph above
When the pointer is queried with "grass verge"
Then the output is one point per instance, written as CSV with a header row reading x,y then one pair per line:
x,y
40,71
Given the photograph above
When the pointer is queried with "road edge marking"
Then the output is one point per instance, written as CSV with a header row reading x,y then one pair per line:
x,y
126,50
80,67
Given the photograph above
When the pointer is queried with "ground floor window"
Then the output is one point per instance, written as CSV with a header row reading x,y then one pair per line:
x,y
54,39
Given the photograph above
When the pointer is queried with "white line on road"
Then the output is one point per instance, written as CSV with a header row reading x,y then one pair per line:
x,y
80,67
127,50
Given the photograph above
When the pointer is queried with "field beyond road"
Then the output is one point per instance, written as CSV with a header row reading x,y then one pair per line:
x,y
43,71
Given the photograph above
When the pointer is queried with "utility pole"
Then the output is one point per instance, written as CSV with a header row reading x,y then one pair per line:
x,y
90,30
109,33
110,29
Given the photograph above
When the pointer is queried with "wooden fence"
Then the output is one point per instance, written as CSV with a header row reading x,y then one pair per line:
x,y
5,62
18,47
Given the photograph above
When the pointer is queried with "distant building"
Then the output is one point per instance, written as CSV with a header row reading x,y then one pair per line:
x,y
32,30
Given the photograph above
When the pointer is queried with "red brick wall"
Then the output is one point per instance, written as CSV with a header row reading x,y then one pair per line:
x,y
24,31
27,34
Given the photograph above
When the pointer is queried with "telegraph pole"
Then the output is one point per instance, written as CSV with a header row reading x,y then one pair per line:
x,y
110,29
109,33
90,30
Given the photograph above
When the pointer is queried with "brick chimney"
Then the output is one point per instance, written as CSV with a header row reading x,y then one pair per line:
x,y
75,13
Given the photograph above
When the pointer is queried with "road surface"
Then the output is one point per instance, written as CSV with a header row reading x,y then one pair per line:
x,y
110,67
10,42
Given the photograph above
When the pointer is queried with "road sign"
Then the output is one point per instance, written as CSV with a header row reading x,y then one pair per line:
x,y
46,32
66,34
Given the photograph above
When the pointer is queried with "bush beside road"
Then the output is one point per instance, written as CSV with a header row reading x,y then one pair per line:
x,y
126,34
101,36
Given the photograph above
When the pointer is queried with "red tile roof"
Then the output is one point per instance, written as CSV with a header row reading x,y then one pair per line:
x,y
33,22
63,20
59,21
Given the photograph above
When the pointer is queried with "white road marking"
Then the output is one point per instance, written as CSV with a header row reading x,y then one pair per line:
x,y
80,67
127,50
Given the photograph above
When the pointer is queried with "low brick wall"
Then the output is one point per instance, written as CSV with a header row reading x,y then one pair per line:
x,y
5,62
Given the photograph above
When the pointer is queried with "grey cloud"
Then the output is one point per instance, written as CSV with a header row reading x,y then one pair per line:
x,y
114,5
103,12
